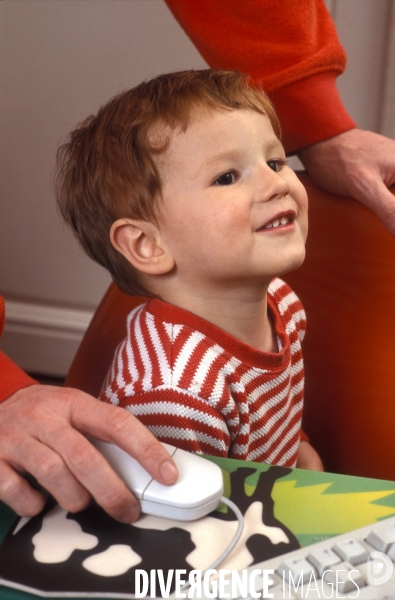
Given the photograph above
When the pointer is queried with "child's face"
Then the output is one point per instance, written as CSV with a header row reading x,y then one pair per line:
x,y
233,212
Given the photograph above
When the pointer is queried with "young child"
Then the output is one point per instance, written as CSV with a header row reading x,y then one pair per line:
x,y
180,187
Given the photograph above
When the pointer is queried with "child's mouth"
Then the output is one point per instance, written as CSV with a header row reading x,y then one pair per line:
x,y
279,221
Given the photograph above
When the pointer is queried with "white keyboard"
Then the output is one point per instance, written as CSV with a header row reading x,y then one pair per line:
x,y
358,564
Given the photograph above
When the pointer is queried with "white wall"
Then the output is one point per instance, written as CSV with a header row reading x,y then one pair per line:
x,y
367,31
60,60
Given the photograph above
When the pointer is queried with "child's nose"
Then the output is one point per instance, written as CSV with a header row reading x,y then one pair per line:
x,y
272,185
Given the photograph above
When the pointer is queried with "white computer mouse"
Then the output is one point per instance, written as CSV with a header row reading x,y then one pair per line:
x,y
197,492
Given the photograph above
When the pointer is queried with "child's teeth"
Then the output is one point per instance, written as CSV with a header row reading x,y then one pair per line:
x,y
277,222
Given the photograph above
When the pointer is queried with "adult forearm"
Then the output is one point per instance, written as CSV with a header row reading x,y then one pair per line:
x,y
299,73
12,378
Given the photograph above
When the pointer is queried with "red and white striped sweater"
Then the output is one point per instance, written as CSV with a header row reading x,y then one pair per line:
x,y
199,388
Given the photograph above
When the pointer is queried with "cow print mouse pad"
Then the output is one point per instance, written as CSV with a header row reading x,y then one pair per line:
x,y
89,553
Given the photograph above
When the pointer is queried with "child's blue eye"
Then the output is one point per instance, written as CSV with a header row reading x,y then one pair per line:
x,y
276,164
226,179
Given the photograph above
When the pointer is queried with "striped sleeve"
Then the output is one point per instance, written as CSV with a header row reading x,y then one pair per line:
x,y
165,375
290,307
182,419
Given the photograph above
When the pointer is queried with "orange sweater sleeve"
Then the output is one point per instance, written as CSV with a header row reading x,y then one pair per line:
x,y
12,378
290,47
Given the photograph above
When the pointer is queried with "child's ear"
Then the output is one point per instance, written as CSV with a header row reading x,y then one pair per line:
x,y
141,244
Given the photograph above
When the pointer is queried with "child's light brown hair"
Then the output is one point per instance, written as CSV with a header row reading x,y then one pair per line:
x,y
108,169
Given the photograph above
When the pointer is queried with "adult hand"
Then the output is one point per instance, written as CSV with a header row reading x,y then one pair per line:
x,y
359,164
43,431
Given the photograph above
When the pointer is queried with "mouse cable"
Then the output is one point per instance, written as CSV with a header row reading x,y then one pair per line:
x,y
215,564
235,539
236,536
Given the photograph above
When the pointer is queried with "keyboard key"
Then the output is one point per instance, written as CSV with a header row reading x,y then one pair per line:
x,y
391,554
296,568
323,559
382,537
351,551
279,593
345,578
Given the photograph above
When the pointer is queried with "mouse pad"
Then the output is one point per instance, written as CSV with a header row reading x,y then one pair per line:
x,y
89,554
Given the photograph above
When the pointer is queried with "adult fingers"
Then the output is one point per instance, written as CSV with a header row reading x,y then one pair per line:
x,y
370,190
359,164
51,472
18,494
43,431
91,476
114,424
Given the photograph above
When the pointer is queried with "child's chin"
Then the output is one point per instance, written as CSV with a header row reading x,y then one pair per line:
x,y
294,263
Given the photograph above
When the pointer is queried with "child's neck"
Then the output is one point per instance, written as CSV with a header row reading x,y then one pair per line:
x,y
243,315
